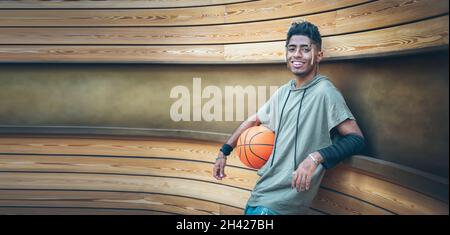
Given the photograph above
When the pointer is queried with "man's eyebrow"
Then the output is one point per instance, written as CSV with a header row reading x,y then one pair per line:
x,y
301,45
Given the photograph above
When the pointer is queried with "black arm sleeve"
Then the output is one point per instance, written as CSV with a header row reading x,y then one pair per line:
x,y
349,145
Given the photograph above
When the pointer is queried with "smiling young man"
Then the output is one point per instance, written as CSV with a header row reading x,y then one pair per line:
x,y
314,130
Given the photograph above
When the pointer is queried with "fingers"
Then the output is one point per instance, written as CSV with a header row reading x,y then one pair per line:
x,y
219,170
222,171
300,181
308,183
301,178
215,171
303,182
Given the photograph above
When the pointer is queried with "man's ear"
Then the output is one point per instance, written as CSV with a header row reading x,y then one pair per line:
x,y
319,56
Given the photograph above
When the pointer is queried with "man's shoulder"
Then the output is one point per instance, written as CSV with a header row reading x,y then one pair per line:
x,y
325,87
326,84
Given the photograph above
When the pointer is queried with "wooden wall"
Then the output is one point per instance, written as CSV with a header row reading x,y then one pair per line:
x,y
240,32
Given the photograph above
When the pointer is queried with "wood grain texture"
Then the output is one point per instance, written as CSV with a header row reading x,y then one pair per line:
x,y
261,10
86,4
370,15
166,17
151,147
30,210
420,181
397,199
365,17
188,169
120,200
113,17
400,39
409,37
181,170
181,187
420,35
339,204
124,54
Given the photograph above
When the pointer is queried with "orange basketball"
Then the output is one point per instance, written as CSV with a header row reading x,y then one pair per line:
x,y
255,145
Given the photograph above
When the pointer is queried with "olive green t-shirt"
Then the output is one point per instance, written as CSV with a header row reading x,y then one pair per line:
x,y
322,107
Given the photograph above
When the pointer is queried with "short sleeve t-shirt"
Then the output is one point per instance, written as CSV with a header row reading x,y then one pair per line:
x,y
314,109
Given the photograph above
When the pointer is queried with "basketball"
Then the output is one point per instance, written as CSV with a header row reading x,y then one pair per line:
x,y
255,145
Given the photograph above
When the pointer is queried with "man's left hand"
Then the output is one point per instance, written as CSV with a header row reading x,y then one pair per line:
x,y
301,178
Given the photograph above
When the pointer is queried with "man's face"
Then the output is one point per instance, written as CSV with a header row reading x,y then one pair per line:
x,y
302,56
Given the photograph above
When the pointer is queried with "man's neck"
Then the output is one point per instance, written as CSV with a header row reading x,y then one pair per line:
x,y
300,80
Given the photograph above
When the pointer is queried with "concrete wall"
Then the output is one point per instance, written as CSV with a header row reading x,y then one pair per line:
x,y
401,102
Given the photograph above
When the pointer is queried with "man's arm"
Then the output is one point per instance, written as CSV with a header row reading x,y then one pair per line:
x,y
351,143
219,166
349,127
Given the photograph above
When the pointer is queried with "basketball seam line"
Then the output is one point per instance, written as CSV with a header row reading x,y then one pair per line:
x,y
250,146
254,144
245,150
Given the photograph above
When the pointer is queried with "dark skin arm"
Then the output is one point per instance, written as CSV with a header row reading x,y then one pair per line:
x,y
219,166
301,178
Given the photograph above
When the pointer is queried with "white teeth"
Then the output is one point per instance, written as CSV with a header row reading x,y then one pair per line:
x,y
297,64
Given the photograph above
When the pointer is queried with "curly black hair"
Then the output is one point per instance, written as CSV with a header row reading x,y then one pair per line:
x,y
307,29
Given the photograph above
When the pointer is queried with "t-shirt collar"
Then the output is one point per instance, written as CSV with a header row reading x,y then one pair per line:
x,y
308,84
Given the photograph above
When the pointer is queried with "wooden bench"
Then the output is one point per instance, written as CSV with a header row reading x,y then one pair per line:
x,y
47,175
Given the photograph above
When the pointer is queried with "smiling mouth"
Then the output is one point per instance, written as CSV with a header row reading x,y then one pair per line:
x,y
297,64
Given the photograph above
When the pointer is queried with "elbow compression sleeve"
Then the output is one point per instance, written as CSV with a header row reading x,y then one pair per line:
x,y
349,145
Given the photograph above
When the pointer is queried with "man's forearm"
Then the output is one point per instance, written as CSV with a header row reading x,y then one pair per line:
x,y
349,145
252,121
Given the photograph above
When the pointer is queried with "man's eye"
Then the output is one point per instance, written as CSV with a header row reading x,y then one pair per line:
x,y
291,49
306,49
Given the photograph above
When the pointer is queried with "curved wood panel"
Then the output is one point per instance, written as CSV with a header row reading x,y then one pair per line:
x,y
24,153
167,148
339,204
120,200
425,183
405,38
239,177
218,137
183,169
119,54
65,150
254,11
328,201
371,15
33,4
379,192
36,210
382,13
420,35
181,187
360,18
132,17
268,9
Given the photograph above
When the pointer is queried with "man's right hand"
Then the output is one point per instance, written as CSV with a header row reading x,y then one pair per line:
x,y
219,167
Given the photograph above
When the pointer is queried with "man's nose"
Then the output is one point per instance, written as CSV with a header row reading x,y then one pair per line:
x,y
298,53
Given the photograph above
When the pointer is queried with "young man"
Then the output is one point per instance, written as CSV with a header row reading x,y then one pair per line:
x,y
306,114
